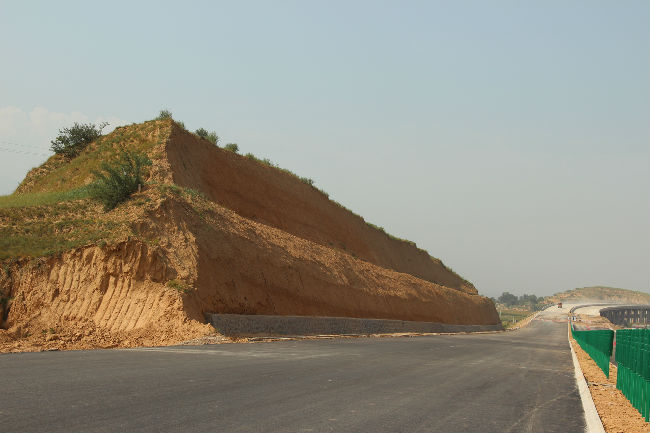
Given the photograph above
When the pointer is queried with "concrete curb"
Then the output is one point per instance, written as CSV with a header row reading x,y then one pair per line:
x,y
592,419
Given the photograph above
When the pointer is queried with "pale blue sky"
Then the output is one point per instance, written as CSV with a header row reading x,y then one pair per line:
x,y
510,139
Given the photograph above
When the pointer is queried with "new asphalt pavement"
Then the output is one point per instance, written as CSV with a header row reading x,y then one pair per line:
x,y
520,381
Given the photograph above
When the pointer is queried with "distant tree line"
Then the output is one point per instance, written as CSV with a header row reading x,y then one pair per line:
x,y
531,302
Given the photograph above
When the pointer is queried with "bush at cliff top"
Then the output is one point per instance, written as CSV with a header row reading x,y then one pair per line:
x,y
212,137
164,114
116,181
71,141
233,147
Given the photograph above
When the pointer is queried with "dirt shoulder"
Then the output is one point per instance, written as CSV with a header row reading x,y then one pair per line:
x,y
615,411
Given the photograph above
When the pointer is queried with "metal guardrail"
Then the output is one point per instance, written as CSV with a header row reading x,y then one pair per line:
x,y
633,359
598,344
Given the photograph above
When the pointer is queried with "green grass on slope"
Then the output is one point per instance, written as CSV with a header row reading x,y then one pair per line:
x,y
43,198
53,211
37,239
77,172
36,231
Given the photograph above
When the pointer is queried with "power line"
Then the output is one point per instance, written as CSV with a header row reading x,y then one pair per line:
x,y
13,143
23,152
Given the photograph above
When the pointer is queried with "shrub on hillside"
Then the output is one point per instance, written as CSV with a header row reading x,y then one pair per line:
x,y
71,141
212,137
164,114
233,147
307,180
116,181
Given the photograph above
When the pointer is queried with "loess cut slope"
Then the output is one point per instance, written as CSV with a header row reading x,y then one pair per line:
x,y
249,239
279,199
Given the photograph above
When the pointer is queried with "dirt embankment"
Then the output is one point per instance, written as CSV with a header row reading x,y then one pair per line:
x,y
95,297
260,242
207,259
247,267
278,199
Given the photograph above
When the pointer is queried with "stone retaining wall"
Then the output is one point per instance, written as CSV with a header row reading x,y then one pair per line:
x,y
259,325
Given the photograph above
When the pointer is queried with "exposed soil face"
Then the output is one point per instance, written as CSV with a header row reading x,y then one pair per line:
x,y
95,297
248,267
122,295
262,242
278,199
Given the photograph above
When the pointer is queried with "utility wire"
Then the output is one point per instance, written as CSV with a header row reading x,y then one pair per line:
x,y
13,143
23,152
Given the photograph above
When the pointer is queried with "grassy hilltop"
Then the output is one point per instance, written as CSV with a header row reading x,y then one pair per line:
x,y
52,210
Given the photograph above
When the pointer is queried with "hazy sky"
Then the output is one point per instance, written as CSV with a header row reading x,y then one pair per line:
x,y
510,139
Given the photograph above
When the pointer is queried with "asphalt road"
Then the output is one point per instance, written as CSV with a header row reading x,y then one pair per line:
x,y
518,381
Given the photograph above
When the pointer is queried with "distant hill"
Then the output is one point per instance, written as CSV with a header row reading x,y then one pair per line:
x,y
601,293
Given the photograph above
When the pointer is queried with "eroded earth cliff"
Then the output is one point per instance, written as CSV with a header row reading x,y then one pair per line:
x,y
211,231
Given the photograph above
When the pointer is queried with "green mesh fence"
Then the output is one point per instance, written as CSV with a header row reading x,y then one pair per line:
x,y
598,344
633,359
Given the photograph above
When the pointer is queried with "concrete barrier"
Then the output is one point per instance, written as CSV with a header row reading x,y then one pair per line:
x,y
627,315
259,325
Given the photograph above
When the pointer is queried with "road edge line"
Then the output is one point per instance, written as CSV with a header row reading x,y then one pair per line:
x,y
592,419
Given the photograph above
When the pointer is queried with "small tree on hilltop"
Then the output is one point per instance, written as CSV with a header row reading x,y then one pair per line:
x,y
71,141
164,114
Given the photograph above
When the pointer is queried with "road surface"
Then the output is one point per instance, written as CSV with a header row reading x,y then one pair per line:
x,y
519,381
